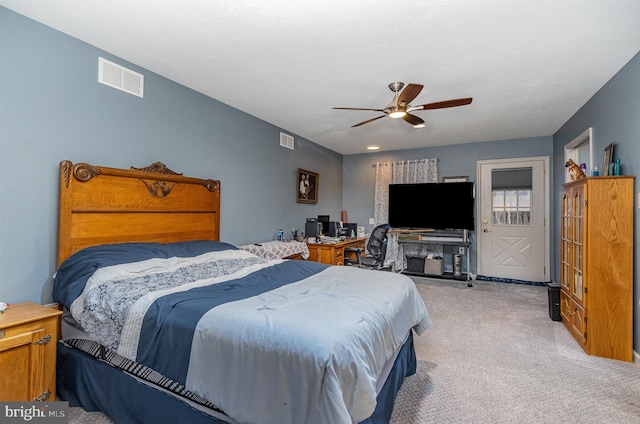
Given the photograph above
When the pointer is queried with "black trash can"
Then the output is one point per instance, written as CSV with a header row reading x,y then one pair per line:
x,y
554,301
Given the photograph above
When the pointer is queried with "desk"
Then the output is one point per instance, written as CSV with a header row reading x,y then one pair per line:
x,y
333,254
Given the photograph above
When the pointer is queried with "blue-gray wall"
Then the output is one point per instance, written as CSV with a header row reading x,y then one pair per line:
x,y
614,114
52,108
359,173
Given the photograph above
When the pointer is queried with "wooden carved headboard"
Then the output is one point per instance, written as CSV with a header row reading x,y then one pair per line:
x,y
100,205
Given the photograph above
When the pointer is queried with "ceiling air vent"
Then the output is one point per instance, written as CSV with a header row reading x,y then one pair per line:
x,y
286,141
119,77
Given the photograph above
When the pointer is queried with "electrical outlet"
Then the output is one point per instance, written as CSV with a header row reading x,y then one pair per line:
x,y
461,250
371,221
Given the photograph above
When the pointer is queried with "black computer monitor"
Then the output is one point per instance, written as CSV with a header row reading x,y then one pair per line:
x,y
352,229
334,229
324,219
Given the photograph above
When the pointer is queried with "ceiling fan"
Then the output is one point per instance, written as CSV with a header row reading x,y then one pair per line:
x,y
399,107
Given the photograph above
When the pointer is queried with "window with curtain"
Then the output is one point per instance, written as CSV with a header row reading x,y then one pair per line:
x,y
511,207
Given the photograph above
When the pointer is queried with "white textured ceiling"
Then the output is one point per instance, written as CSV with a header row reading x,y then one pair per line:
x,y
528,64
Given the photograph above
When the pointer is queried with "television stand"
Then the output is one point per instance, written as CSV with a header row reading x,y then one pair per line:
x,y
459,238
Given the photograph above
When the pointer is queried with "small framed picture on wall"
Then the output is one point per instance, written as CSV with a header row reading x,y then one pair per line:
x,y
607,159
307,186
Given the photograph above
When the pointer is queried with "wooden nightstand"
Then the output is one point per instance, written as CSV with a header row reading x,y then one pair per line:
x,y
28,337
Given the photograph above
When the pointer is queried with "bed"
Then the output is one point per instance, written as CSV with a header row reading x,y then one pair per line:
x,y
163,322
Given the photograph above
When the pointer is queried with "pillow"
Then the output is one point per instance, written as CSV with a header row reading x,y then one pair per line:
x,y
74,272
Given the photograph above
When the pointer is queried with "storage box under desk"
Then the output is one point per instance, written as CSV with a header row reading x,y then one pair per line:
x,y
415,263
434,266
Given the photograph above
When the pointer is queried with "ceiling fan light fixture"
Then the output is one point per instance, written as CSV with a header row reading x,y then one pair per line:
x,y
400,106
397,114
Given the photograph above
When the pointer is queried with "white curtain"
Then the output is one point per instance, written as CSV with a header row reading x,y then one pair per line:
x,y
398,172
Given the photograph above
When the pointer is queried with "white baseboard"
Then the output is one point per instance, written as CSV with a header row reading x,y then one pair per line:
x,y
636,358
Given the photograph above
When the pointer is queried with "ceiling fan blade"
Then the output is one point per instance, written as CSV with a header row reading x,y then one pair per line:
x,y
413,119
409,93
357,108
367,121
444,104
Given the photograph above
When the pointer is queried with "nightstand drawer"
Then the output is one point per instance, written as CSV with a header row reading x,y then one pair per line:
x,y
17,340
19,330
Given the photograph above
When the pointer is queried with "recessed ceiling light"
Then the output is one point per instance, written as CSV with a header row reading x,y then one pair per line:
x,y
373,147
419,126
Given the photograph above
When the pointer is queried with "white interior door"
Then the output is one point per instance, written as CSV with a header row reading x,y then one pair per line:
x,y
513,214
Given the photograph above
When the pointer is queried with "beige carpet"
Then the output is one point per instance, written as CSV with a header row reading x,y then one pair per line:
x,y
493,355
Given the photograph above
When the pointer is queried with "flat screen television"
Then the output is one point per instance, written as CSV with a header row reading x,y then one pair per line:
x,y
440,206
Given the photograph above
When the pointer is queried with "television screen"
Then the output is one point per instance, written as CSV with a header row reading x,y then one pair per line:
x,y
432,205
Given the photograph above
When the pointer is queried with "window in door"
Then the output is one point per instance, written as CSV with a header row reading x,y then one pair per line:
x,y
511,196
512,207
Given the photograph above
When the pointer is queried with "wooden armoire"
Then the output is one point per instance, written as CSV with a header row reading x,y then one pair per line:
x,y
596,298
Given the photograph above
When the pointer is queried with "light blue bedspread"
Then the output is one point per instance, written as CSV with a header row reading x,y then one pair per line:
x,y
267,341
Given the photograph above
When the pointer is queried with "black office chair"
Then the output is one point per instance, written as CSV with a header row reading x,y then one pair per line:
x,y
376,246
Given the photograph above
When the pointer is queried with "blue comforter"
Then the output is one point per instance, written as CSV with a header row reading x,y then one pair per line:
x,y
298,341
